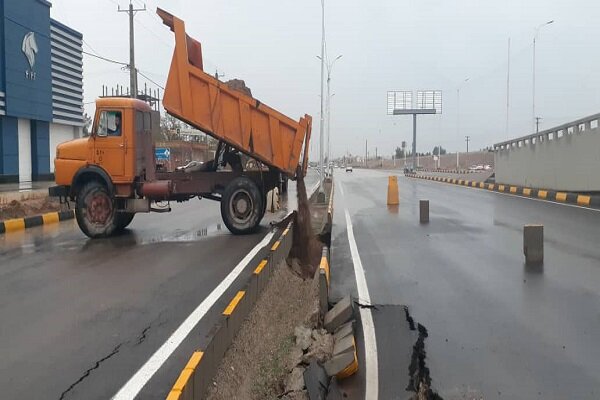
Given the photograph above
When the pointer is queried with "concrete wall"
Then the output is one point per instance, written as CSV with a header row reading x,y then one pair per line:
x,y
448,161
565,158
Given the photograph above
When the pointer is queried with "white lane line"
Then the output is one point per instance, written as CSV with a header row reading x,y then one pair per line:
x,y
135,384
372,374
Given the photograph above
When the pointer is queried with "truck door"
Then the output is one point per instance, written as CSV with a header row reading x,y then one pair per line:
x,y
110,143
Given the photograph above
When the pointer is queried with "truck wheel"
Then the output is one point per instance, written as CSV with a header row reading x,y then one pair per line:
x,y
95,210
241,206
122,220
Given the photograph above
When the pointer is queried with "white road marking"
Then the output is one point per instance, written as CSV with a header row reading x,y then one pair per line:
x,y
135,384
372,374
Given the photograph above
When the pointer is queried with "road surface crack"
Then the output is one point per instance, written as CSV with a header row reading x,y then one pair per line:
x,y
418,372
89,370
143,335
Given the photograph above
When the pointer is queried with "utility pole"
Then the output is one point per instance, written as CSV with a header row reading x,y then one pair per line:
x,y
537,124
218,75
132,70
366,154
507,87
467,139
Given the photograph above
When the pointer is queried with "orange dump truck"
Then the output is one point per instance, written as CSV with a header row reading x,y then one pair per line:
x,y
112,174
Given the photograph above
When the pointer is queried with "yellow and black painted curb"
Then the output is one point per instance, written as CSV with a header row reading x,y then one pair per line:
x,y
583,200
203,364
18,224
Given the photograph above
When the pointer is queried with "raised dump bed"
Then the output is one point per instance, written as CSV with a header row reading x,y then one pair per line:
x,y
229,115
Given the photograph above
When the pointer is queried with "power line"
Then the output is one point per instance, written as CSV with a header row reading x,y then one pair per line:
x,y
145,76
104,58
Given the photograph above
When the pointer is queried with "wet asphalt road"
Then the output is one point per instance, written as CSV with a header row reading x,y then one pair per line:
x,y
79,317
497,328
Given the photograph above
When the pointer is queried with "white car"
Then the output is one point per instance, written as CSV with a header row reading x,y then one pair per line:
x,y
348,168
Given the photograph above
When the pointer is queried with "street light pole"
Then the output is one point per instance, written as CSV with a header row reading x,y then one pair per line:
x,y
328,105
537,31
321,121
458,114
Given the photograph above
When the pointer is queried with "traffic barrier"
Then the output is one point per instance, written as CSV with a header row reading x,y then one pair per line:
x,y
582,200
424,211
392,193
18,224
533,244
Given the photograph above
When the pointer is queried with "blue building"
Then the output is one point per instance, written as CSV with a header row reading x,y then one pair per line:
x,y
41,89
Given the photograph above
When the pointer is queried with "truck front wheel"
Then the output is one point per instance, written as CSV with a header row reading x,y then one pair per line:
x,y
95,210
242,206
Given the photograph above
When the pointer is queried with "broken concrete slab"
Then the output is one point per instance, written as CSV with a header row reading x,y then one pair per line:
x,y
344,330
321,347
334,392
316,381
340,313
344,345
338,363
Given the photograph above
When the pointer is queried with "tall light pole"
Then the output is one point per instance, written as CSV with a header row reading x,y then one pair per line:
x,y
322,170
537,31
329,96
458,114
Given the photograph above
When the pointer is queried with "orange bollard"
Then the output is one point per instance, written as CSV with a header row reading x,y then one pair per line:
x,y
392,195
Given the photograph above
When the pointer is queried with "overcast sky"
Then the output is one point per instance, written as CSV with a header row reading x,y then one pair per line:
x,y
386,45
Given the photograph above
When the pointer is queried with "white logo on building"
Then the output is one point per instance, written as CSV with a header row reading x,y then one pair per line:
x,y
30,49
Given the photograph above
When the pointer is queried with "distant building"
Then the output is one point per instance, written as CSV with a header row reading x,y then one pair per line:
x,y
41,89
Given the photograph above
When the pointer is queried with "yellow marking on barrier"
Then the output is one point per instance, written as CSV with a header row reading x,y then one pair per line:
x,y
12,225
275,246
352,367
260,267
481,185
526,192
474,184
542,194
501,188
174,395
325,266
285,232
513,189
50,218
180,383
561,196
234,303
583,200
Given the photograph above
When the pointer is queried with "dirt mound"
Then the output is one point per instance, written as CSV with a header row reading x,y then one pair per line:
x,y
261,356
27,208
239,85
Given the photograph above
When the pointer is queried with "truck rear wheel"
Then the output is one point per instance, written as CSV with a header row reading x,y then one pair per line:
x,y
95,210
123,219
242,206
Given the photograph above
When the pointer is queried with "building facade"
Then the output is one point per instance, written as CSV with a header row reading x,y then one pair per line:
x,y
41,89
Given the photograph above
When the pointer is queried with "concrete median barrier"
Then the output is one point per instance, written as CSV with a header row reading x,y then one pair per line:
x,y
18,224
579,199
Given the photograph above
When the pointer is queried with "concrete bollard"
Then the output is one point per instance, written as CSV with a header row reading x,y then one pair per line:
x,y
424,211
533,244
392,193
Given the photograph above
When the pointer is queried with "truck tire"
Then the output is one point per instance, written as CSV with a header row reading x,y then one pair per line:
x,y
95,210
123,219
242,206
